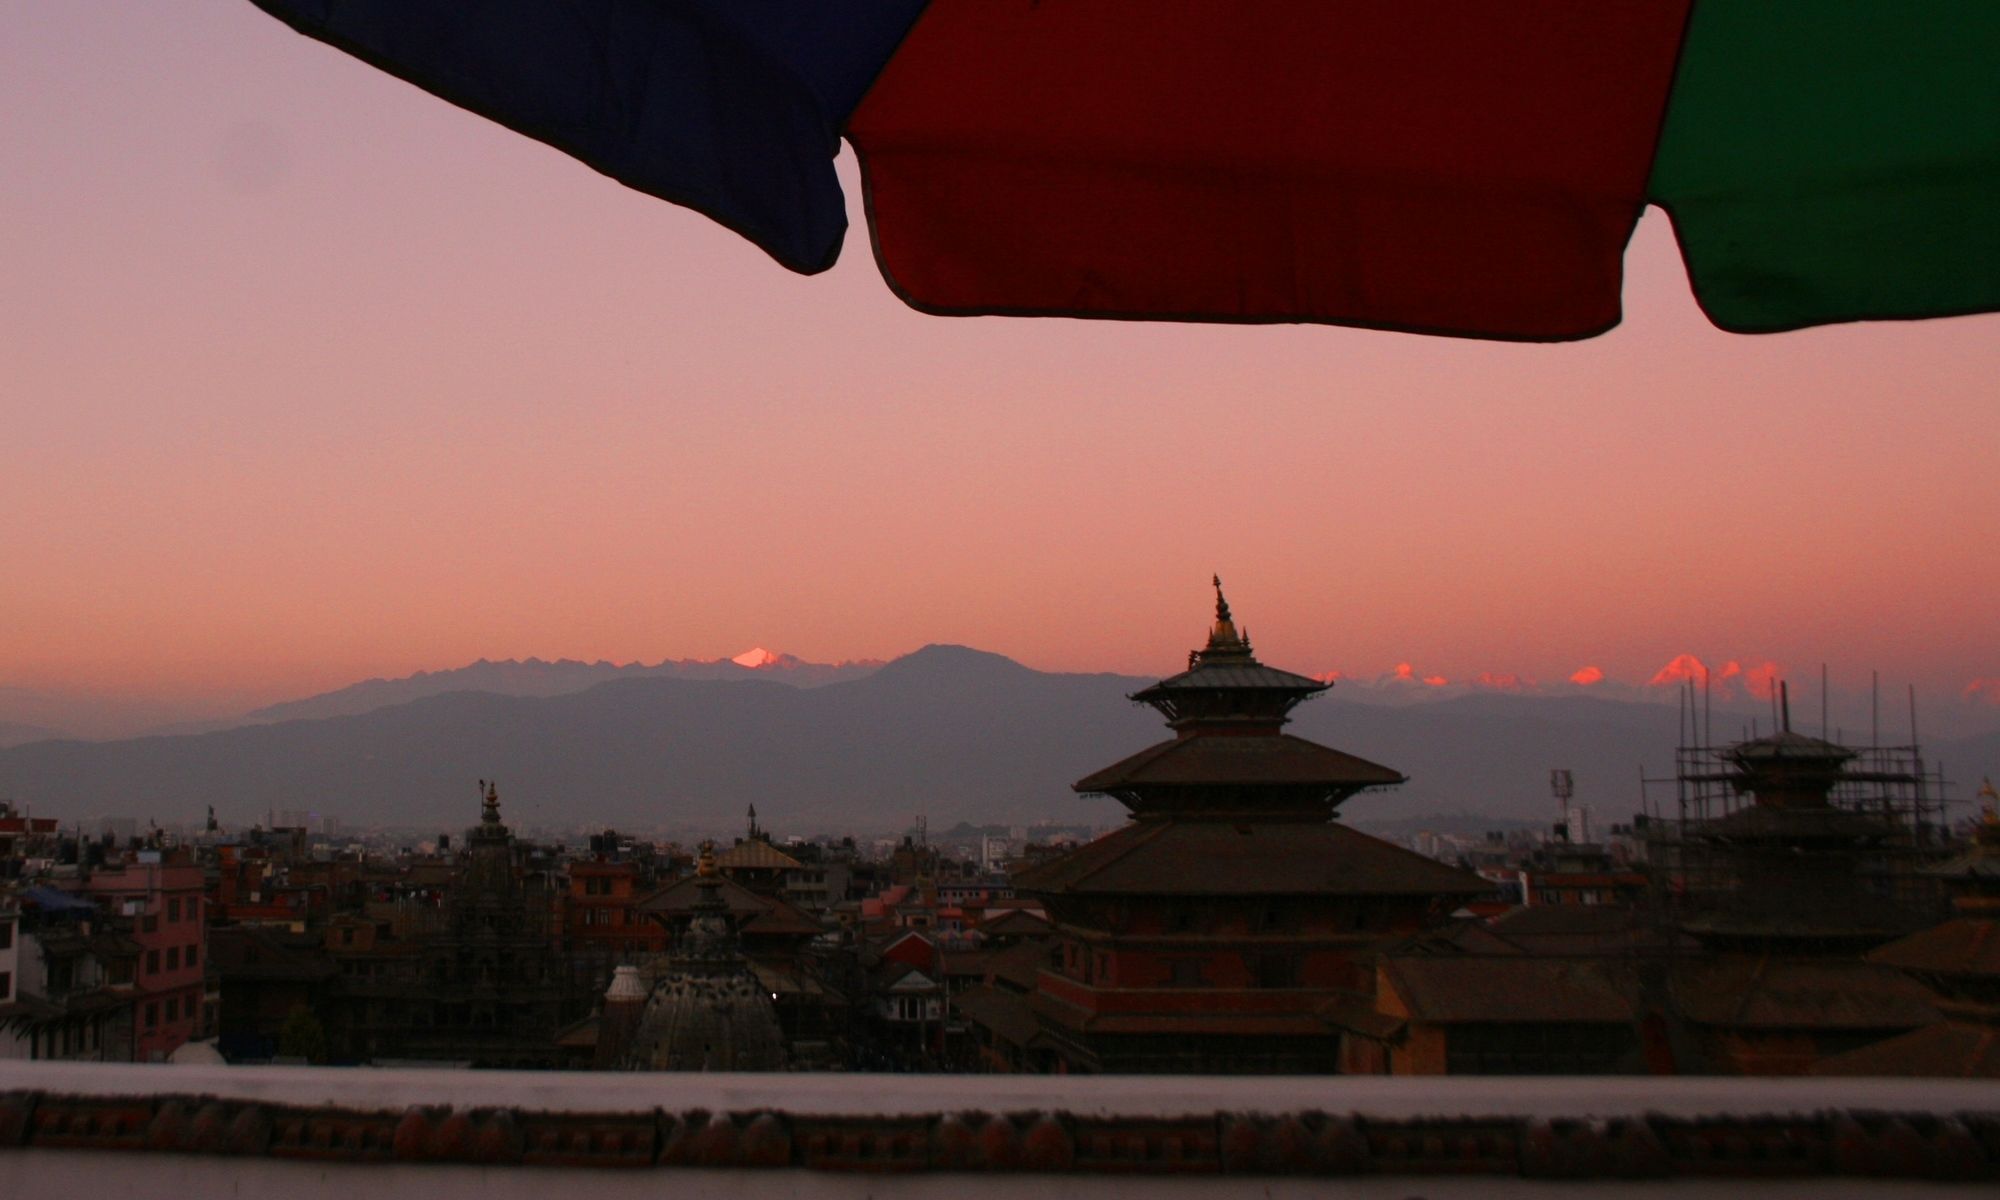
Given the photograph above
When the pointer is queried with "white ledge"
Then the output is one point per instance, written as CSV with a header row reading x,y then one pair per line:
x,y
1099,1096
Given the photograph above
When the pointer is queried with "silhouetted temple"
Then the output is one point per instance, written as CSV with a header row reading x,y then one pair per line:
x,y
1229,923
707,1011
1748,960
1782,985
491,991
1793,867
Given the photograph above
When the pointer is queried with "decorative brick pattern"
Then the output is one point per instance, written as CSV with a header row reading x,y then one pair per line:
x,y
1958,1147
863,1143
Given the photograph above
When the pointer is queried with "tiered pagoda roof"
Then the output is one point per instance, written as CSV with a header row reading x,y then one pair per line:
x,y
1231,806
1797,856
1228,758
1222,858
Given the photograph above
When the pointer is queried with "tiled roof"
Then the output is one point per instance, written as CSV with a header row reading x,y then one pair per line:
x,y
755,855
1771,913
1762,823
1977,863
781,980
1456,989
783,917
1247,675
1760,993
1005,1013
1788,746
1947,1050
1219,759
1584,929
1251,858
1016,921
1965,946
678,897
1359,1015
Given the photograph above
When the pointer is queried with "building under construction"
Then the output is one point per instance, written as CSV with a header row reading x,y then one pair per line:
x,y
1874,812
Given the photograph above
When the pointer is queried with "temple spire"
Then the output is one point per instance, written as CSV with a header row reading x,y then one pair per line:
x,y
709,944
1224,641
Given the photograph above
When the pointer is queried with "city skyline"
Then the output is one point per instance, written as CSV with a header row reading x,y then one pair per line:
x,y
315,379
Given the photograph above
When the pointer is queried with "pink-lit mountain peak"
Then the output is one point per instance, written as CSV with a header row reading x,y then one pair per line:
x,y
1984,690
755,658
1758,679
1406,674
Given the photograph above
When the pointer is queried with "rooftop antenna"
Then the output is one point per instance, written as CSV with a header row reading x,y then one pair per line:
x,y
1563,785
1874,708
1785,704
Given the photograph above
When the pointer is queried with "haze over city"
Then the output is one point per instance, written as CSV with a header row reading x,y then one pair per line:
x,y
553,640
311,378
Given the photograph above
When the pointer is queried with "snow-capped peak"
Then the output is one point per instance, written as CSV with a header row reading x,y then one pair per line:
x,y
754,658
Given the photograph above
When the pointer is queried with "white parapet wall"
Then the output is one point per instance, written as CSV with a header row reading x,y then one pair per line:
x,y
110,1131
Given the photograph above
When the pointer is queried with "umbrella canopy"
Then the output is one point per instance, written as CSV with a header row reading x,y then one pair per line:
x,y
1470,167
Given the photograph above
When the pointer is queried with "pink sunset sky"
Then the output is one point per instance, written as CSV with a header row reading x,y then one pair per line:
x,y
310,377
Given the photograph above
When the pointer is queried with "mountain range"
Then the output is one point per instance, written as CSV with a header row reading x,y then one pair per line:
x,y
947,731
537,677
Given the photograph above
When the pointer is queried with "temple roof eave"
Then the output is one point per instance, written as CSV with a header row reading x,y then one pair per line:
x,y
1251,676
1263,760
1253,857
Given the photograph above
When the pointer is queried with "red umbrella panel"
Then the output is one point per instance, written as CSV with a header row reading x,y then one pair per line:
x,y
1469,167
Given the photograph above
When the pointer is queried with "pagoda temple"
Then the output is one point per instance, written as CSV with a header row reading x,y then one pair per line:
x,y
708,1012
491,991
1226,925
1794,868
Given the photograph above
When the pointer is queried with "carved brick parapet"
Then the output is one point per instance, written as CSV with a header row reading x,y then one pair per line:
x,y
1961,1146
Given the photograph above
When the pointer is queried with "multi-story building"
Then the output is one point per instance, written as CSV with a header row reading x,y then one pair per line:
x,y
68,992
161,894
25,836
602,923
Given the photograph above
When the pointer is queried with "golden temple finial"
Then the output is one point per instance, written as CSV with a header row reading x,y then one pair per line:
x,y
1223,637
705,865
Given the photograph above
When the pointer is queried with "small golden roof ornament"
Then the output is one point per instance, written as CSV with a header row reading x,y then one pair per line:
x,y
1224,637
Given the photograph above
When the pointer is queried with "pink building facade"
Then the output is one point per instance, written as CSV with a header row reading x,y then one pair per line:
x,y
163,900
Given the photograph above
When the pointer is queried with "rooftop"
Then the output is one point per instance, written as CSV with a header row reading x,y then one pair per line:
x,y
1252,858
